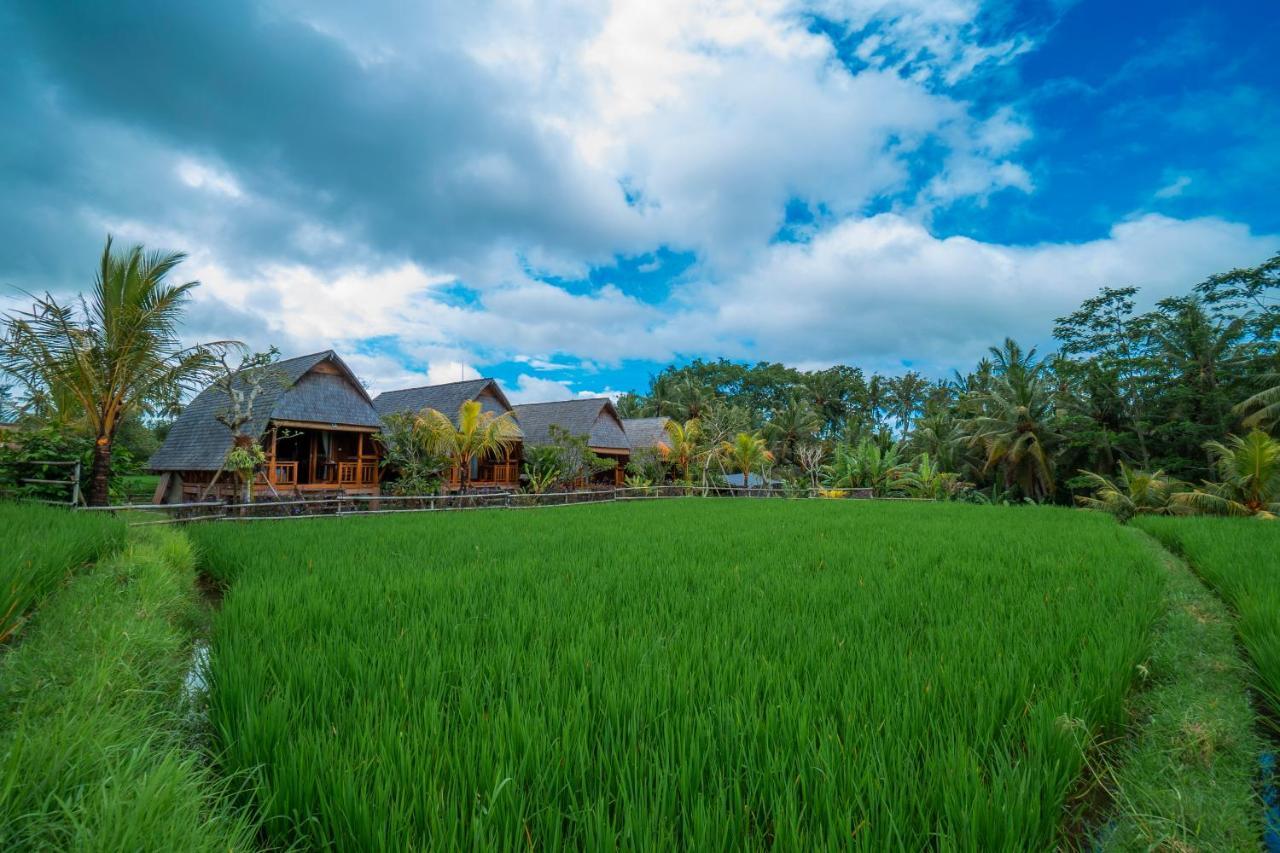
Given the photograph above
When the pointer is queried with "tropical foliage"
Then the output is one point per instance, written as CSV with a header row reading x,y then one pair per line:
x,y
1126,393
93,363
474,434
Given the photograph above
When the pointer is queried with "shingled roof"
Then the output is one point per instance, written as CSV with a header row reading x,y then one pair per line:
x,y
447,398
198,442
646,432
594,417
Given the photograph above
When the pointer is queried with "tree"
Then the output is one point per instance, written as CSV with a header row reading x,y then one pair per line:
x,y
906,397
1262,409
406,451
1131,493
1248,470
791,425
476,435
115,354
682,444
868,465
242,385
1015,434
746,453
809,457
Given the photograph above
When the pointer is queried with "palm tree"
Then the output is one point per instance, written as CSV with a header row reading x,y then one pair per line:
x,y
790,425
906,396
868,465
746,452
1014,432
1131,493
114,355
681,445
477,434
1248,484
1263,407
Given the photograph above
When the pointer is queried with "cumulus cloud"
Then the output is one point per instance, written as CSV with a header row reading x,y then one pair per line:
x,y
873,291
413,184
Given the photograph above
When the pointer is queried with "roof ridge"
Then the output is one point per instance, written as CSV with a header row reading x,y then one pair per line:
x,y
562,402
436,385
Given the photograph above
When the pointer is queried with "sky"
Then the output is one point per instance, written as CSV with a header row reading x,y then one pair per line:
x,y
570,195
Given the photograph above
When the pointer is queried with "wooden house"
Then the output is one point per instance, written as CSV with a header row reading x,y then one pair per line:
x,y
314,419
500,472
593,417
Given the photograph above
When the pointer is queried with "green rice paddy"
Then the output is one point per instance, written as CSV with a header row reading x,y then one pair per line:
x,y
42,545
1240,559
705,674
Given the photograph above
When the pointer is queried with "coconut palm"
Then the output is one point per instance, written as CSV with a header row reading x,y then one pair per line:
x,y
1263,408
792,424
476,434
1248,470
1014,433
906,397
745,453
869,465
681,445
113,355
1131,493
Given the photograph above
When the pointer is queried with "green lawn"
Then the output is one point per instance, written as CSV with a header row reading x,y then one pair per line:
x,y
704,674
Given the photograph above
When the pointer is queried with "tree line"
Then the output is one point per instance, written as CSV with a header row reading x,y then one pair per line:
x,y
1177,392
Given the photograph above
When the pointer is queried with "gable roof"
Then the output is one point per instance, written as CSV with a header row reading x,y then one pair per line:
x,y
646,432
447,398
594,417
198,442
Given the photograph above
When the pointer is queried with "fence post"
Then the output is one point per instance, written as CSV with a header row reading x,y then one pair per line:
x,y
75,484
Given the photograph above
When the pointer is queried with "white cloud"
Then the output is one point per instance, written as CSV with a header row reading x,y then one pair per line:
x,y
1174,188
202,176
879,290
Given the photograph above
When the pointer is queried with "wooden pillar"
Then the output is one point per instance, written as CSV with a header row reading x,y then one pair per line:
x,y
311,467
359,447
271,475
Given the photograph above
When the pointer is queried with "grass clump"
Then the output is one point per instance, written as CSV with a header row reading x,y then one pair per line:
x,y
701,675
42,546
96,740
1183,779
1240,558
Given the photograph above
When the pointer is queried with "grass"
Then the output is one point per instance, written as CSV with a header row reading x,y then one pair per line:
x,y
702,674
136,488
1240,558
96,747
43,545
1183,778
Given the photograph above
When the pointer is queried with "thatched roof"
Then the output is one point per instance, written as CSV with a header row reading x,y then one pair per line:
x,y
646,432
594,417
446,399
293,392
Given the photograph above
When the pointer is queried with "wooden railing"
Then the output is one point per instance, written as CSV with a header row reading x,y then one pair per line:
x,y
357,473
489,474
284,473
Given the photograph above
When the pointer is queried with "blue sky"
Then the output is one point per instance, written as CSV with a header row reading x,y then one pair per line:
x,y
570,195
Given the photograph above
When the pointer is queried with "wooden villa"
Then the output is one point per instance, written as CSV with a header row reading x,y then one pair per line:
x,y
593,417
496,473
314,419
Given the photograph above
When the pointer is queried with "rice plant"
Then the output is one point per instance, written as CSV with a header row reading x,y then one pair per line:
x,y
703,675
42,545
1240,559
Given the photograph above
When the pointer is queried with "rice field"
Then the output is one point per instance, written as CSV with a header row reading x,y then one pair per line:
x,y
1240,559
707,674
42,545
